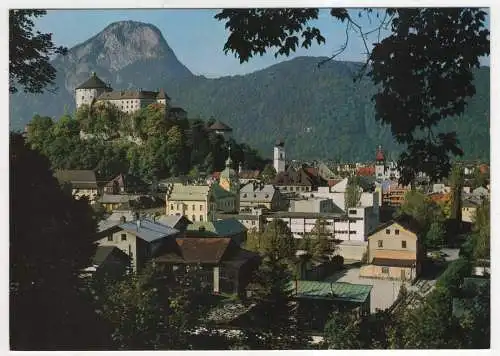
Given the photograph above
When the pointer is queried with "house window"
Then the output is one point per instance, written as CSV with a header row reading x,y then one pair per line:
x,y
201,207
194,218
387,231
403,244
385,270
352,211
396,232
380,243
110,237
201,217
253,222
171,206
194,207
124,237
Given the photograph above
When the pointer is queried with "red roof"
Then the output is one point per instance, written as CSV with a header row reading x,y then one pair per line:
x,y
484,168
332,182
380,155
366,171
312,171
220,126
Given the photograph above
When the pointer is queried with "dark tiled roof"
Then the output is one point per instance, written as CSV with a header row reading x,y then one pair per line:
x,y
162,95
78,178
294,177
128,94
94,82
405,221
197,250
220,126
248,174
392,262
103,252
177,110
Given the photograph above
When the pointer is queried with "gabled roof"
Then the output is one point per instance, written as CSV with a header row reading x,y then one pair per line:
x,y
406,223
128,94
366,171
334,291
221,228
148,231
94,82
188,192
253,192
197,250
117,198
249,174
103,252
78,178
220,126
173,220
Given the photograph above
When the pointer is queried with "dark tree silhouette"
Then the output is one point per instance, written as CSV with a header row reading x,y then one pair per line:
x,y
29,53
50,243
423,69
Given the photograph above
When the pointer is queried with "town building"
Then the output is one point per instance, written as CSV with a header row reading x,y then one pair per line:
x,y
81,183
140,239
128,101
469,208
383,169
229,181
108,262
252,219
220,263
254,195
394,252
125,184
229,227
221,128
295,181
317,300
199,202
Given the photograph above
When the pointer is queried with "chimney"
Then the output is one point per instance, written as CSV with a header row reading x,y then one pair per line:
x,y
138,224
123,220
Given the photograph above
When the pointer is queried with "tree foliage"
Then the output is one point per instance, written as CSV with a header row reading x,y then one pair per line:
x,y
352,193
29,53
276,240
481,231
410,68
50,244
145,144
421,209
320,244
274,323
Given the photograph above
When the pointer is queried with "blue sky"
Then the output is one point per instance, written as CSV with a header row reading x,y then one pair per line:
x,y
196,37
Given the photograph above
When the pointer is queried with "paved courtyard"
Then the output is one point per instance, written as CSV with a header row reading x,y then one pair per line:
x,y
383,294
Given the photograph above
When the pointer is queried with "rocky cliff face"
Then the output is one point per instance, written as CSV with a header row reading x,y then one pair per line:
x,y
118,46
126,54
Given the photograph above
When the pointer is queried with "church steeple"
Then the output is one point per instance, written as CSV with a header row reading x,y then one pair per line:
x,y
229,161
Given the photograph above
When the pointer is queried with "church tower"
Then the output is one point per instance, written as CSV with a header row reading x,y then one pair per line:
x,y
230,181
279,156
379,164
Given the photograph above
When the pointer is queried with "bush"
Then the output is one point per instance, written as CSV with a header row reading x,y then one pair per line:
x,y
337,261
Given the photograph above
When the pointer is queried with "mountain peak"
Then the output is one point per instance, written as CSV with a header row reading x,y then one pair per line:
x,y
121,44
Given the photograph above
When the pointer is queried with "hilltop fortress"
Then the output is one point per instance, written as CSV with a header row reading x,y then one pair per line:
x,y
128,101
